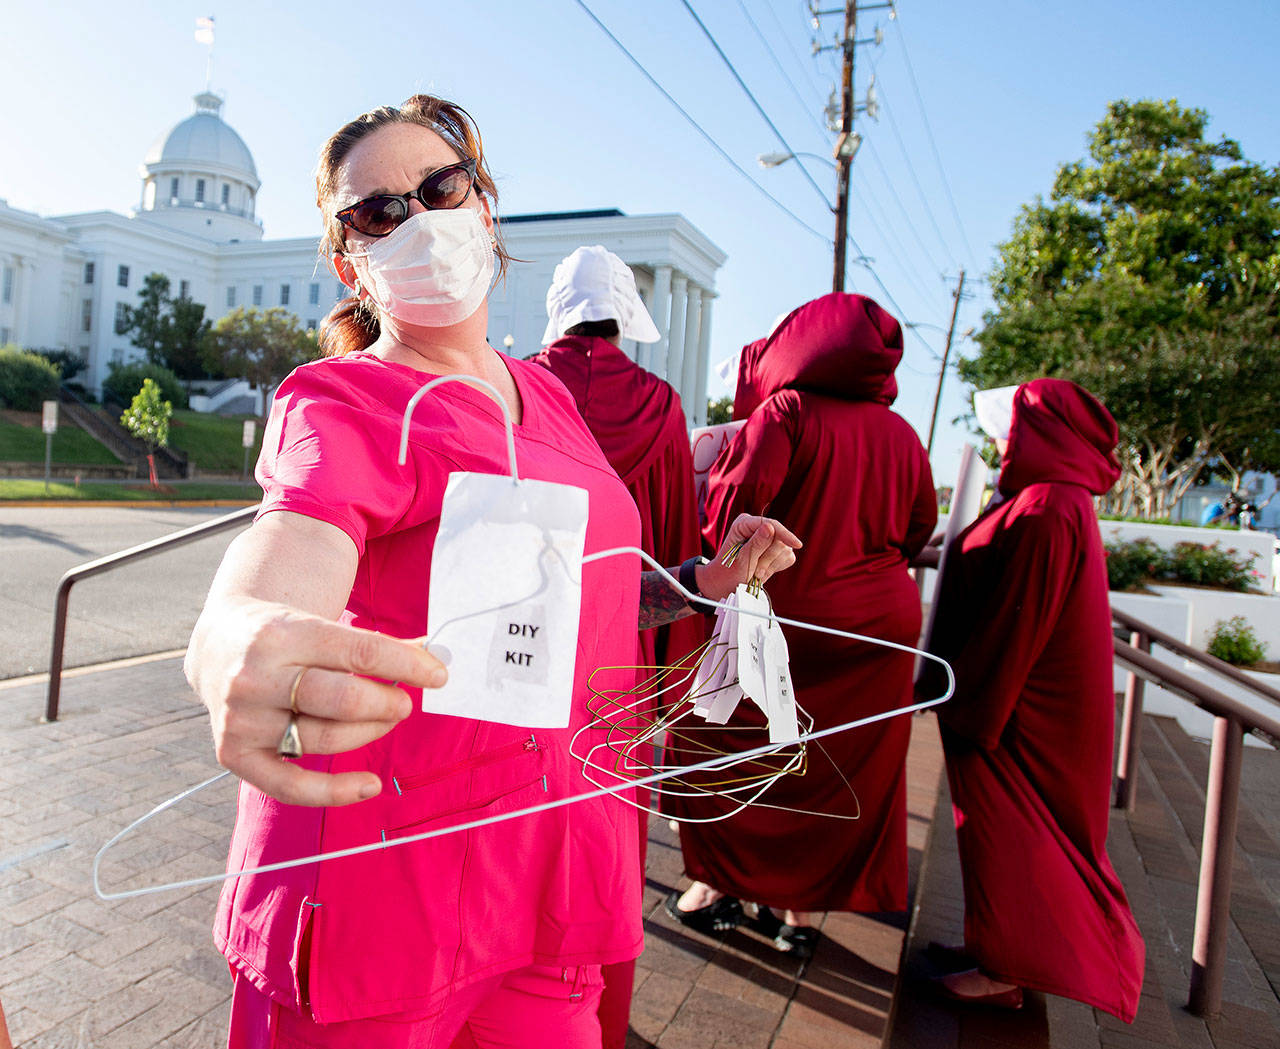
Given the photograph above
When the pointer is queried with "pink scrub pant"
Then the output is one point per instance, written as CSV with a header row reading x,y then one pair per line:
x,y
540,1007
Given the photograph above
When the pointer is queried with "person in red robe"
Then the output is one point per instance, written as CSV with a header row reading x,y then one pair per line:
x,y
824,452
1025,621
638,421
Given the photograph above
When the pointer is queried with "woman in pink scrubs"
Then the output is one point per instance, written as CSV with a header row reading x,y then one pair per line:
x,y
489,937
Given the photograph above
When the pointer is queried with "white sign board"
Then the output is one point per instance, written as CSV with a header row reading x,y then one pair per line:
x,y
49,418
966,505
250,428
708,442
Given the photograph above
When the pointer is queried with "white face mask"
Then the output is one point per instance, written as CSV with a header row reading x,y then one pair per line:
x,y
432,270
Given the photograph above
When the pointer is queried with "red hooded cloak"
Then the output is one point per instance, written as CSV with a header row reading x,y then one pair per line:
x,y
639,424
1024,619
824,454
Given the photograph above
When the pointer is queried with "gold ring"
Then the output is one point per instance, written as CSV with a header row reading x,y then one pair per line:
x,y
293,691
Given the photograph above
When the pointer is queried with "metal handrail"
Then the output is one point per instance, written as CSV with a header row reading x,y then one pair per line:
x,y
1232,719
105,564
1211,662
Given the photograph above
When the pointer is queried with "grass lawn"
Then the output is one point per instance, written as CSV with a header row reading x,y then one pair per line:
x,y
213,442
21,490
22,441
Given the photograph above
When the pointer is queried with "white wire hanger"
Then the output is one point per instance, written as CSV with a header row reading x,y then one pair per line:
x,y
591,767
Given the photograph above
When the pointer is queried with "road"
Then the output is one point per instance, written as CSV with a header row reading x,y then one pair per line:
x,y
144,607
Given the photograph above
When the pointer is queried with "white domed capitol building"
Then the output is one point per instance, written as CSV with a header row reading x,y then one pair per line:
x,y
65,280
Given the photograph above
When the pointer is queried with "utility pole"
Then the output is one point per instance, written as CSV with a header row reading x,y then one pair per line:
x,y
844,158
946,353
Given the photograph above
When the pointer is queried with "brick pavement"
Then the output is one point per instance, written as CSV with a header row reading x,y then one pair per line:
x,y
80,973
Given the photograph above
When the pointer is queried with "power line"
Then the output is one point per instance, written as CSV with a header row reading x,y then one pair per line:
x,y
946,185
875,156
799,61
886,227
698,127
747,91
911,169
806,106
889,296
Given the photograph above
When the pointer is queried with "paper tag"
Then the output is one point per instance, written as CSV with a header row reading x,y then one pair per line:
x,y
751,644
763,666
780,700
505,599
715,686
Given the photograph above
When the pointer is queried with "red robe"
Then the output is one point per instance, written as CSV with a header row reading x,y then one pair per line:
x,y
639,424
824,455
1025,621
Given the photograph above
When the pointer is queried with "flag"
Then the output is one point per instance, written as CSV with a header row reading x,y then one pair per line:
x,y
204,30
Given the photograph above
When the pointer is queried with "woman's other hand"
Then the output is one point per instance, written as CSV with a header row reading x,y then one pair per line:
x,y
767,547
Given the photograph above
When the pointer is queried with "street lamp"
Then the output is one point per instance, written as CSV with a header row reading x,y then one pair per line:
x,y
772,160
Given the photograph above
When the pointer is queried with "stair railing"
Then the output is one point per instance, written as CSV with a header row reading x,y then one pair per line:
x,y
1232,719
118,560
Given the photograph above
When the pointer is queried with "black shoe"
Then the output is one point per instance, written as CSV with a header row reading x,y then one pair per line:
x,y
797,940
721,916
949,958
765,922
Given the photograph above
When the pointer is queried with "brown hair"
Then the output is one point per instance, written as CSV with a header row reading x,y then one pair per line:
x,y
353,325
605,329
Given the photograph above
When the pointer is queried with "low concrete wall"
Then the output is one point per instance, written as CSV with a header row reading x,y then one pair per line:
x,y
69,471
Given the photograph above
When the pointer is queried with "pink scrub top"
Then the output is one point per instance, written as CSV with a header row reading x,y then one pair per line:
x,y
394,930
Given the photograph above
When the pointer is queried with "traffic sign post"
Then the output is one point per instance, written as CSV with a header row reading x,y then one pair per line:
x,y
48,423
250,428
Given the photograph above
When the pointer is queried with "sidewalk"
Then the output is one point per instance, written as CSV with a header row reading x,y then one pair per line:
x,y
79,973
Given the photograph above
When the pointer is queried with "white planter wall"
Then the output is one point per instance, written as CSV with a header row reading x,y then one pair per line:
x,y
1165,536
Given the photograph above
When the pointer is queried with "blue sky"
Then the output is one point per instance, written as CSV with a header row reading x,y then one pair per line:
x,y
1003,90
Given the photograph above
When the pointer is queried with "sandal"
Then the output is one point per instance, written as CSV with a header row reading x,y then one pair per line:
x,y
721,916
799,940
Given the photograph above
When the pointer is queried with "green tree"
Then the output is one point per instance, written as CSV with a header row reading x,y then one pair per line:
x,y
125,380
147,418
1150,277
719,410
170,331
261,346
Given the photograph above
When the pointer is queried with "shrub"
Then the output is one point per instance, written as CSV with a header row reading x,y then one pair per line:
x,y
26,379
1132,563
1234,641
1208,565
69,364
1140,561
123,382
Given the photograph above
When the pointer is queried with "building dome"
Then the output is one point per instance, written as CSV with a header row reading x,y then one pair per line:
x,y
200,178
204,139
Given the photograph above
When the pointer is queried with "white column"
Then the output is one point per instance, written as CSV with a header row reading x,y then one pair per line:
x,y
704,358
688,384
23,273
648,355
675,333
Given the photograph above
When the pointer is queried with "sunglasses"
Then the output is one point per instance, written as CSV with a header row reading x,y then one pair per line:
x,y
444,189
